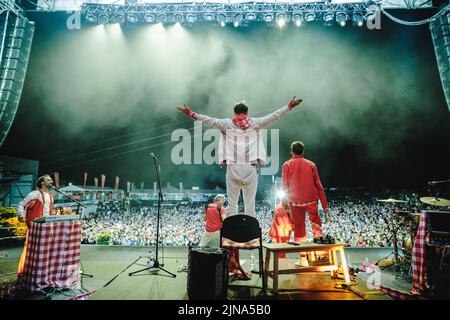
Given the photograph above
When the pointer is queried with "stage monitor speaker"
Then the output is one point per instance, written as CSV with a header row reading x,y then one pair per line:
x,y
440,33
207,274
16,34
437,253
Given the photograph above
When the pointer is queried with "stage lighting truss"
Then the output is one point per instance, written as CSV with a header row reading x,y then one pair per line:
x,y
237,14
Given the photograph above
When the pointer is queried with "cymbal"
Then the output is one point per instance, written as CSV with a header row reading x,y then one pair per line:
x,y
435,201
390,200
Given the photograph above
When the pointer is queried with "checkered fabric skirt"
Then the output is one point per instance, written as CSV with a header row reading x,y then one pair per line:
x,y
52,255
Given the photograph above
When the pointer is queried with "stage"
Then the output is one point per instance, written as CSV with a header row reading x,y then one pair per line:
x,y
110,281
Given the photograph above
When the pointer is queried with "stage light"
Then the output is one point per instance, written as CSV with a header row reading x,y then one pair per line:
x,y
178,18
132,18
327,17
103,19
237,20
222,19
281,194
281,20
149,17
92,18
268,17
358,19
341,19
161,18
190,18
250,16
209,17
298,19
310,16
119,18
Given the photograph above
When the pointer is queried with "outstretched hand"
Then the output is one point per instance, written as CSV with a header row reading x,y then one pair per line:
x,y
294,102
184,108
187,111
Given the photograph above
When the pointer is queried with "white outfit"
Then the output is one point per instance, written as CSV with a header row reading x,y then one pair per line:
x,y
34,195
210,239
241,150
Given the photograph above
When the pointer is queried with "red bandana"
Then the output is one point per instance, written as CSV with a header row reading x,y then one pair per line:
x,y
242,120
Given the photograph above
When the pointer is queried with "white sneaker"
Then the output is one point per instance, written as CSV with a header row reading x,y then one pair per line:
x,y
303,262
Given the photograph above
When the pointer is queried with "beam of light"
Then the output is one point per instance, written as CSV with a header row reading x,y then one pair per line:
x,y
298,19
281,21
281,194
114,32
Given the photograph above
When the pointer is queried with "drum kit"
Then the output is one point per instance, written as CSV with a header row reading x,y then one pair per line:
x,y
400,262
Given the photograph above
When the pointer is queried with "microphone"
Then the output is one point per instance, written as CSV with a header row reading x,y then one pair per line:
x,y
432,183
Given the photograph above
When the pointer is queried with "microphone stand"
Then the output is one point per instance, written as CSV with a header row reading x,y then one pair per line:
x,y
82,205
156,264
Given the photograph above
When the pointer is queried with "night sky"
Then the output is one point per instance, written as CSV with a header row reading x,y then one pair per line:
x,y
373,115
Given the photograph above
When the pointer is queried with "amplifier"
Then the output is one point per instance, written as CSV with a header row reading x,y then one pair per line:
x,y
207,273
437,252
438,222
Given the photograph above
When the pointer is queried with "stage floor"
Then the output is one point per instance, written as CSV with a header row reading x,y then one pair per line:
x,y
110,266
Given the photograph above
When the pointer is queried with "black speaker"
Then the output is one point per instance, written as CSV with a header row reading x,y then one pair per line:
x,y
207,274
440,33
17,34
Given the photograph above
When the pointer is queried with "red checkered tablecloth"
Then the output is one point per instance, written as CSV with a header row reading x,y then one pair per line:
x,y
53,255
419,273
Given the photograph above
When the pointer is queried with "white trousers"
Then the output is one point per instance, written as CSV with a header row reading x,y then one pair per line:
x,y
210,239
245,177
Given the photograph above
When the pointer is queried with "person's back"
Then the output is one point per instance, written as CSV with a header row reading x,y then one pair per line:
x,y
304,183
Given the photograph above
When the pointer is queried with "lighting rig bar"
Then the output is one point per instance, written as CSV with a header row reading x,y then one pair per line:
x,y
239,14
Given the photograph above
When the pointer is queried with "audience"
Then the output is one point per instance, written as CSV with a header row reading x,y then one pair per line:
x,y
359,223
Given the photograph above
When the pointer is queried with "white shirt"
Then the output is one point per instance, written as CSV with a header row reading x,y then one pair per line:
x,y
34,195
242,146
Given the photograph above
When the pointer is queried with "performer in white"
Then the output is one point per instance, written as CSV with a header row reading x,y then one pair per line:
x,y
241,147
36,204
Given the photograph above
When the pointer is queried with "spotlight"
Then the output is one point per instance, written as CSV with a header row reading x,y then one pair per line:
x,y
310,16
222,20
298,19
237,20
281,194
281,20
268,17
209,17
119,18
178,18
132,18
149,17
358,19
327,17
341,19
92,18
103,19
190,18
250,16
161,18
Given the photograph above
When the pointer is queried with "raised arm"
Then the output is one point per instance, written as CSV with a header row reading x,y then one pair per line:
x,y
214,122
272,117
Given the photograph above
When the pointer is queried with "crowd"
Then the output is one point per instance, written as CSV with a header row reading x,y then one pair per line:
x,y
359,223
